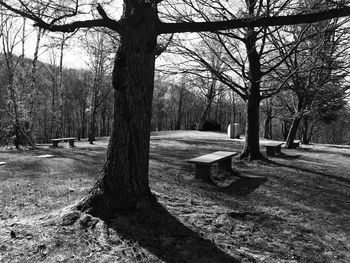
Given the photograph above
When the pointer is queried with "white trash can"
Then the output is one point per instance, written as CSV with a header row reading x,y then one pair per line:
x,y
233,131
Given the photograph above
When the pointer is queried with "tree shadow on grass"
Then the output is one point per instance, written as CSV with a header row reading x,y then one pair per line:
x,y
287,156
244,185
306,170
167,238
328,151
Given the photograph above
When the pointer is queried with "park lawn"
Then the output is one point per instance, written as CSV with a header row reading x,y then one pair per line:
x,y
301,213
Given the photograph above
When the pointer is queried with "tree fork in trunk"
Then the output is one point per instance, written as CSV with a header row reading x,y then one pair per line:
x,y
124,183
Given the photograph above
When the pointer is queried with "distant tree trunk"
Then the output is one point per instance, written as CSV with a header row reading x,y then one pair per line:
x,y
205,114
233,109
59,128
46,137
179,109
268,126
124,184
13,97
53,110
159,123
83,121
293,131
33,89
217,109
13,107
209,99
77,130
103,119
295,123
108,126
305,138
284,129
92,125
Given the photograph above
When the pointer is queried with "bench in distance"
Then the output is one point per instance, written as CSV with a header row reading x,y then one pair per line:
x,y
70,140
295,144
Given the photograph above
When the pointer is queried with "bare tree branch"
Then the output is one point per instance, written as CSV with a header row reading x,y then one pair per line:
x,y
68,27
260,21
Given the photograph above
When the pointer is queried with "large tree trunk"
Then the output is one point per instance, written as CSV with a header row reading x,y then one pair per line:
x,y
251,148
124,182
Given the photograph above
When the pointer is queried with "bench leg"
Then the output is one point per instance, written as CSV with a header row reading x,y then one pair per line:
x,y
71,143
295,145
270,151
203,172
278,149
55,144
225,164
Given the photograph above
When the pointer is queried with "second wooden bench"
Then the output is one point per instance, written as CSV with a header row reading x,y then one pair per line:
x,y
203,163
272,148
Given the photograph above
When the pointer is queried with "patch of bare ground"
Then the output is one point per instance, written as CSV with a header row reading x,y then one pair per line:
x,y
301,213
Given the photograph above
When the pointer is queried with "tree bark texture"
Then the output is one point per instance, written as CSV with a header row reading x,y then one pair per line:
x,y
251,149
124,183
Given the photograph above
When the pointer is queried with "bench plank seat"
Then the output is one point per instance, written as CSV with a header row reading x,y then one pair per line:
x,y
203,163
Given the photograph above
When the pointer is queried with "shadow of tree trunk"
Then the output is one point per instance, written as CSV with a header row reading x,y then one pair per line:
x,y
167,238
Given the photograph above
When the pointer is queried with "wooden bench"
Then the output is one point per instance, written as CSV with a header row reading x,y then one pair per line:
x,y
272,148
203,163
55,142
295,144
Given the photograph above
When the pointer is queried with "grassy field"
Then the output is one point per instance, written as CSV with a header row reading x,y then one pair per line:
x,y
301,213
